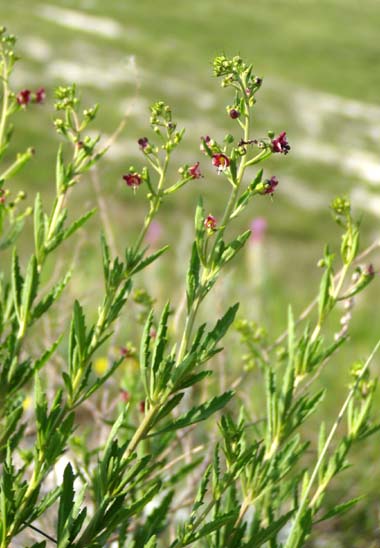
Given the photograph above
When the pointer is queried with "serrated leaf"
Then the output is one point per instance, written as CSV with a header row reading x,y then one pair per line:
x,y
30,286
168,407
198,413
39,228
17,283
192,278
42,306
148,260
221,327
79,329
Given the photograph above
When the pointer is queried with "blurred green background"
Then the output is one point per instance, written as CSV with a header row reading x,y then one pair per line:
x,y
320,60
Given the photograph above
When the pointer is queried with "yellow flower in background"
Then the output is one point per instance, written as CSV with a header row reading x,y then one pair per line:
x,y
27,403
101,365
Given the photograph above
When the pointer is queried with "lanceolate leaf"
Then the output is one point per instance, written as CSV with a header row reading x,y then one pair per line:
x,y
199,413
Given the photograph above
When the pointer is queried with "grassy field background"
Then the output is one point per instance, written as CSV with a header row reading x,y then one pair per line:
x,y
320,64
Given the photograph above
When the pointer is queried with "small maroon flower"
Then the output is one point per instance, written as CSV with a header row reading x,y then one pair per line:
x,y
40,96
234,113
2,196
124,395
270,185
205,140
369,270
221,162
125,352
195,172
143,142
23,97
280,144
210,222
142,406
132,179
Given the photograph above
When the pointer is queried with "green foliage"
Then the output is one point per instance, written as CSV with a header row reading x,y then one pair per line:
x,y
259,486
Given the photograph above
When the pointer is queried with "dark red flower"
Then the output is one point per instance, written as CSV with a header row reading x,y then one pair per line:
x,y
280,144
132,179
221,162
143,142
270,185
142,406
195,172
210,222
369,270
40,96
23,97
234,113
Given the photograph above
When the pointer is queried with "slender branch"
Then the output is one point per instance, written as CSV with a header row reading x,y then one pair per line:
x,y
304,502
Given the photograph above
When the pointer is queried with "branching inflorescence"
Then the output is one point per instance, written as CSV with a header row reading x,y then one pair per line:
x,y
256,486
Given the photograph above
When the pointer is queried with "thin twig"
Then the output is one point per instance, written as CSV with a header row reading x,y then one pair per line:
x,y
40,532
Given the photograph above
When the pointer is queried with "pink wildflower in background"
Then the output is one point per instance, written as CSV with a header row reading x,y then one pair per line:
x,y
154,232
258,228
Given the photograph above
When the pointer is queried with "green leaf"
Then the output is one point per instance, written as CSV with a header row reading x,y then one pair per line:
x,y
60,175
190,380
79,329
77,224
234,247
192,279
30,286
340,509
39,228
105,256
212,526
11,236
168,407
145,353
268,533
148,260
66,502
17,283
221,328
161,339
198,413
42,306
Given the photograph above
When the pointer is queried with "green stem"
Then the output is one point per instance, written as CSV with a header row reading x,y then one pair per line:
x,y
142,430
189,324
290,543
5,102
